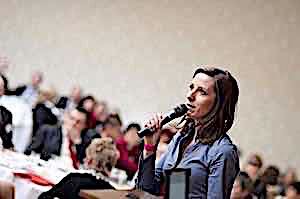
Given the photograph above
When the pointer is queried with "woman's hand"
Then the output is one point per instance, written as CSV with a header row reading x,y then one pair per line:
x,y
153,124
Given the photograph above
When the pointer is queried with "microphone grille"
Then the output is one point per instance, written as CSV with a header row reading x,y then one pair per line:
x,y
180,110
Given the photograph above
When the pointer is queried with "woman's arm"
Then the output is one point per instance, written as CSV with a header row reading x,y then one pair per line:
x,y
147,180
222,172
150,176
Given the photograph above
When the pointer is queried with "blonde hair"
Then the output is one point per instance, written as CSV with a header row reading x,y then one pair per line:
x,y
102,154
49,94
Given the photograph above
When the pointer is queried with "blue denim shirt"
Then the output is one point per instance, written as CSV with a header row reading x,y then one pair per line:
x,y
213,168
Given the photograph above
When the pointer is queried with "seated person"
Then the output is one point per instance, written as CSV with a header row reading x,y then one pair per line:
x,y
21,117
62,140
45,111
88,103
6,128
253,168
70,102
29,93
128,145
242,187
101,157
289,177
293,191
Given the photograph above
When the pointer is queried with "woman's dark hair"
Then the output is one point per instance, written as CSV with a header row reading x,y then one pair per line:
x,y
116,117
133,125
84,112
5,83
270,175
296,186
245,181
81,102
113,120
220,119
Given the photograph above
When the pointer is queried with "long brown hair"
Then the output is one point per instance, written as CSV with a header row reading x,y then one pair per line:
x,y
220,119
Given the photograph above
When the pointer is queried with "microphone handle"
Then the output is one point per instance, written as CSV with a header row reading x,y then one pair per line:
x,y
177,112
145,132
148,131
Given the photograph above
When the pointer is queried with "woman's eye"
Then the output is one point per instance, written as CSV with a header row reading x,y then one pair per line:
x,y
201,91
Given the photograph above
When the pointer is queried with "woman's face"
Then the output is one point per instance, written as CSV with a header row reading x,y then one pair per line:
x,y
201,96
88,105
291,193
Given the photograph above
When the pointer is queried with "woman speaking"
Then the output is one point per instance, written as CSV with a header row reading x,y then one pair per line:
x,y
201,143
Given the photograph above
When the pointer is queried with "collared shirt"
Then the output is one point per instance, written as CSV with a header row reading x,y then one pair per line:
x,y
213,167
30,95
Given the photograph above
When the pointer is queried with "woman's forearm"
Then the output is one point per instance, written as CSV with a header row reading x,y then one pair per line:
x,y
147,178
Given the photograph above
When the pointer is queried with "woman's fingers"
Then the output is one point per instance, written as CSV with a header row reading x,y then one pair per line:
x,y
154,122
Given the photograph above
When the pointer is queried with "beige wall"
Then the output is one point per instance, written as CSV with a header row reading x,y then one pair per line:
x,y
140,54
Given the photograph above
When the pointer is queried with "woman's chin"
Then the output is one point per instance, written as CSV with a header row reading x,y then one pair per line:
x,y
190,114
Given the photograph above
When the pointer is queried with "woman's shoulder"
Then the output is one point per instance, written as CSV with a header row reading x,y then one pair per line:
x,y
224,146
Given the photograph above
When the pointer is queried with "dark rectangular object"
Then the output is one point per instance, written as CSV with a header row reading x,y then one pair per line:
x,y
177,183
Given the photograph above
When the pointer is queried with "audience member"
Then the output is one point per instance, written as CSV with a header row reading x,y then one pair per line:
x,y
101,114
101,157
6,128
270,178
70,102
61,140
293,191
4,64
29,93
242,187
128,145
112,127
253,169
45,111
289,177
88,103
21,117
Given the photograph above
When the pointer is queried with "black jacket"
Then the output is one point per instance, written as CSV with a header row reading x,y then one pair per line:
x,y
42,115
47,141
18,91
87,136
69,186
5,128
62,102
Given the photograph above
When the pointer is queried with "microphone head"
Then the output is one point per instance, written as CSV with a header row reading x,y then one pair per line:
x,y
180,110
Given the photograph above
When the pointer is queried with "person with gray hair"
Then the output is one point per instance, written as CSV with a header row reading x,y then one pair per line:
x,y
101,157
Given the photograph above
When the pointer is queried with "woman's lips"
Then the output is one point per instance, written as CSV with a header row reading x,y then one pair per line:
x,y
190,106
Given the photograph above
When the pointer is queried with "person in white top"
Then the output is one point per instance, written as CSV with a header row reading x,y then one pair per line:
x,y
22,118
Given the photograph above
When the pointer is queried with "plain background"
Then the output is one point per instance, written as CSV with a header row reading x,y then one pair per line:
x,y
140,55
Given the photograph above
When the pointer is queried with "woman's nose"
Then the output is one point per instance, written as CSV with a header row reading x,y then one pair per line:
x,y
190,96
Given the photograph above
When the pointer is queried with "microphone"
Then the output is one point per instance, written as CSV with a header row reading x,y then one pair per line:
x,y
178,111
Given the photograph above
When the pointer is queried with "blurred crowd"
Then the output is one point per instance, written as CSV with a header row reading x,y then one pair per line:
x,y
41,122
37,121
257,180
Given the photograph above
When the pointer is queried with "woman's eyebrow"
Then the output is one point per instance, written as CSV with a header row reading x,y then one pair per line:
x,y
200,88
